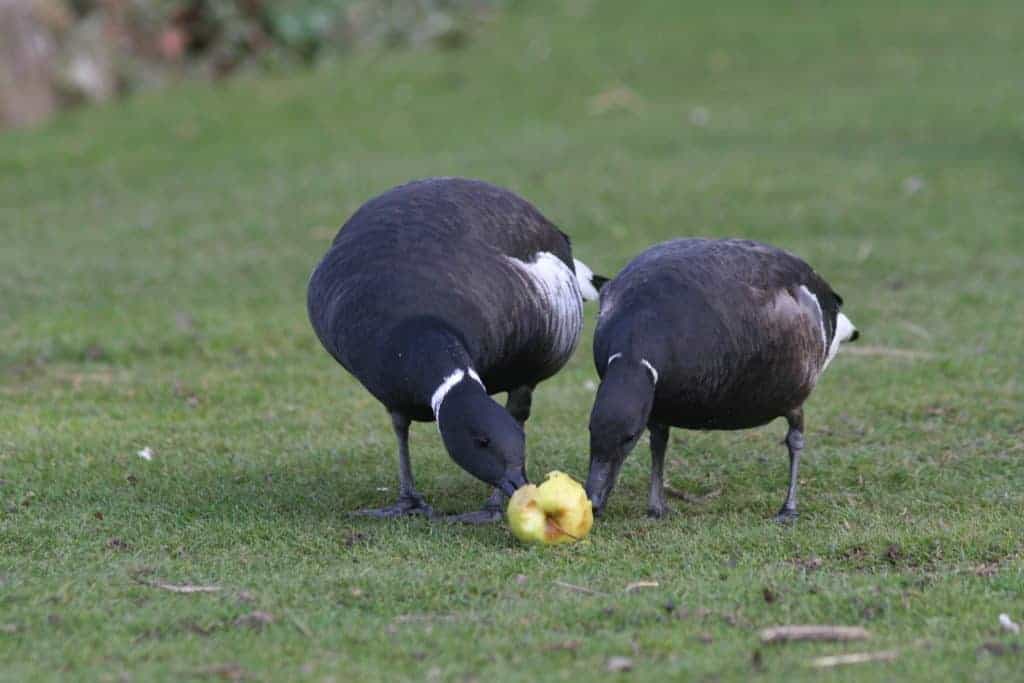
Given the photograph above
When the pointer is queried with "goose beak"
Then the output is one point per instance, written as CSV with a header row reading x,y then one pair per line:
x,y
600,481
513,481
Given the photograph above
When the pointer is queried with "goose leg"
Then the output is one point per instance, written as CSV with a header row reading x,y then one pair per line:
x,y
519,402
518,406
795,443
656,506
409,502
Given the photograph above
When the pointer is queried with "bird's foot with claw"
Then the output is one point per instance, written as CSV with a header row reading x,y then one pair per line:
x,y
787,516
487,515
658,511
407,504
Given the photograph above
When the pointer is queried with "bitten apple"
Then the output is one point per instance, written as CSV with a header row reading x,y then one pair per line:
x,y
557,511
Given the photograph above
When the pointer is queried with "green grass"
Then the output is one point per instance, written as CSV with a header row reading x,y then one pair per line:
x,y
153,259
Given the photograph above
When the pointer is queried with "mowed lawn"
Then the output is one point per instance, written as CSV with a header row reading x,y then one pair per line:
x,y
153,261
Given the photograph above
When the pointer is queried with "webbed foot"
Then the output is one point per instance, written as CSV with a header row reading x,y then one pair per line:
x,y
787,516
407,504
485,515
659,511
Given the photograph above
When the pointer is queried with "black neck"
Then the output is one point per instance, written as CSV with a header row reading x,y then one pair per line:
x,y
621,410
634,338
628,376
426,351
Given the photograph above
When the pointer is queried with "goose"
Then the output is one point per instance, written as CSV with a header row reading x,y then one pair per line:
x,y
435,295
707,335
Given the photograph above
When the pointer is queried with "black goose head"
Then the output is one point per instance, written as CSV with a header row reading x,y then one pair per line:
x,y
617,421
482,437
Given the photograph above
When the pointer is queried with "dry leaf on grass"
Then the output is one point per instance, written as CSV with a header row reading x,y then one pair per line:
x,y
255,620
987,569
700,116
811,563
998,649
615,98
911,185
228,672
1008,624
619,664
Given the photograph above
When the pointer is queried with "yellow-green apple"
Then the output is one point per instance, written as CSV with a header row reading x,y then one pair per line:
x,y
557,511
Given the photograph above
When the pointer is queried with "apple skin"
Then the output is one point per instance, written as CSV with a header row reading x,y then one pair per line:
x,y
557,511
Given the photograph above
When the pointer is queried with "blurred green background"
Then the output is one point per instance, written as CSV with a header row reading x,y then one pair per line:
x,y
154,250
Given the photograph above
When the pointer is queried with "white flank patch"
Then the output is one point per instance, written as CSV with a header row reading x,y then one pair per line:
x,y
613,357
654,373
449,383
146,453
821,317
585,279
844,330
560,296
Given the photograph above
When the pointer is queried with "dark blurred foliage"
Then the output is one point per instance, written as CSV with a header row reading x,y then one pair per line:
x,y
97,49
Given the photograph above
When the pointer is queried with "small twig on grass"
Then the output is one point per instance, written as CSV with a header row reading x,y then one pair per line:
x,y
886,352
299,624
690,498
564,645
179,588
782,634
578,589
637,585
229,672
413,618
855,658
917,329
